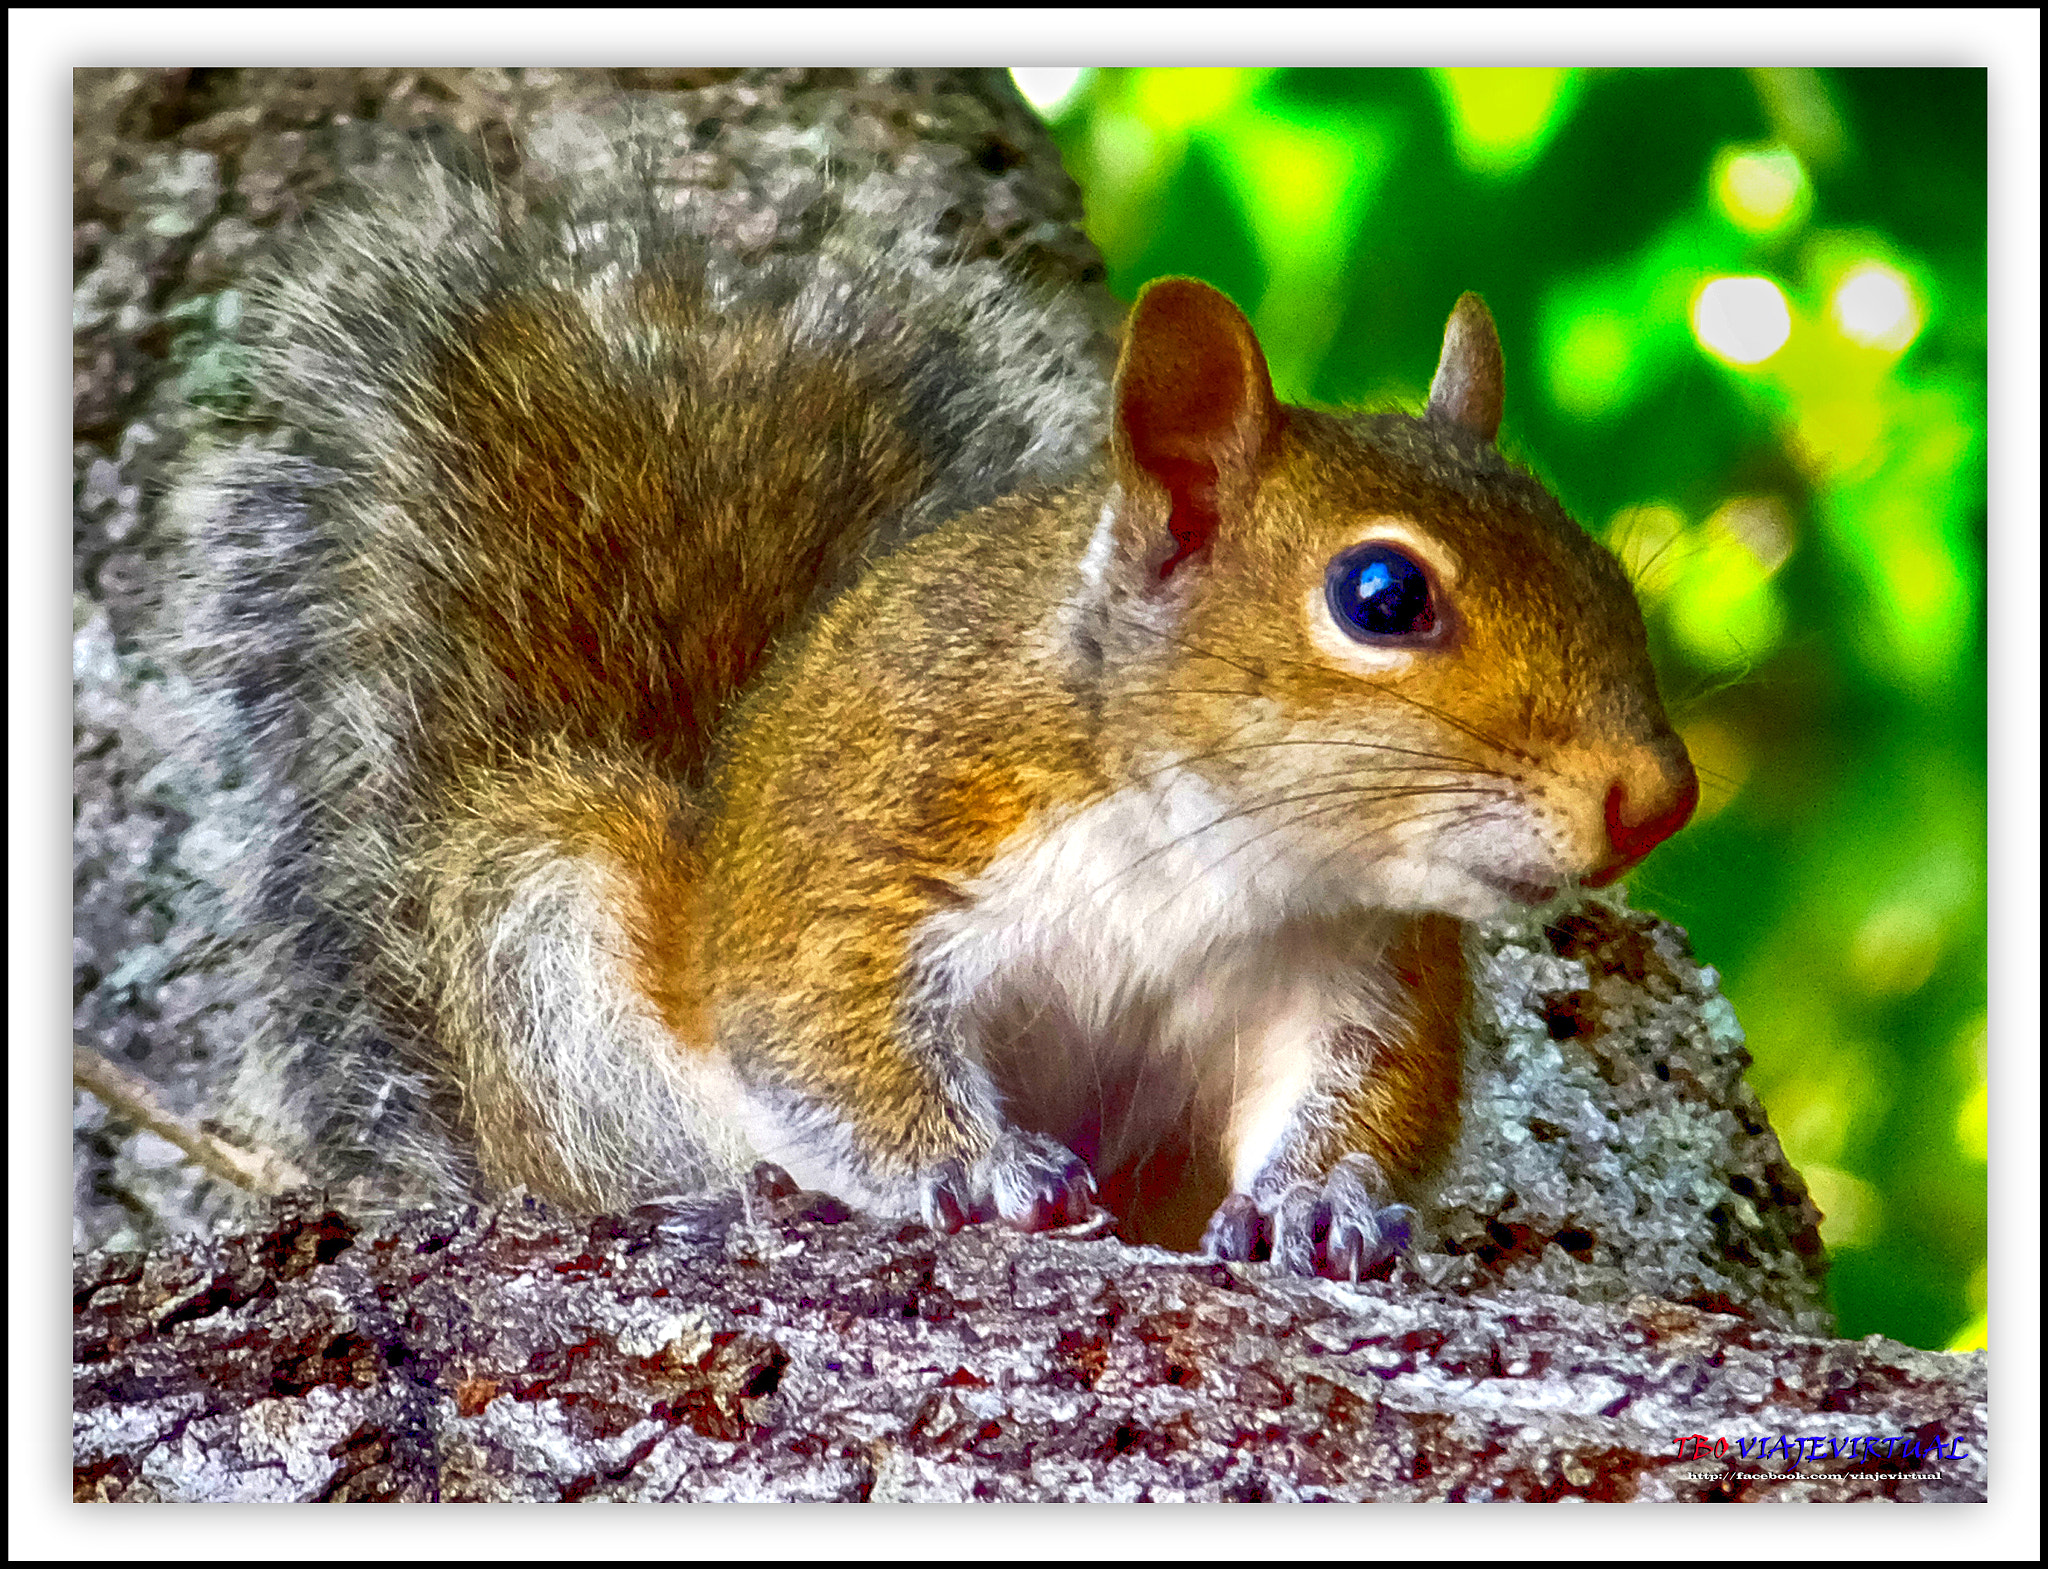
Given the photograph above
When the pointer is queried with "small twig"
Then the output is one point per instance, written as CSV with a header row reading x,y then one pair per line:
x,y
134,1099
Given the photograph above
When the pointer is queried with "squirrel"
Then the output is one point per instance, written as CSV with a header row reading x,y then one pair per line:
x,y
713,709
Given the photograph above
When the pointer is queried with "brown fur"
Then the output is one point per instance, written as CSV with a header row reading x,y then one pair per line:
x,y
622,593
1405,1113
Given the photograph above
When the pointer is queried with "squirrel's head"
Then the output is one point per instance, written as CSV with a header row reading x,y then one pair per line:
x,y
1387,647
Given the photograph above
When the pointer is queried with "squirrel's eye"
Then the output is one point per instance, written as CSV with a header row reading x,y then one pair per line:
x,y
1375,592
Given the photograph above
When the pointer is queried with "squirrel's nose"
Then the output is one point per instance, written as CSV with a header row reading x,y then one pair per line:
x,y
1645,807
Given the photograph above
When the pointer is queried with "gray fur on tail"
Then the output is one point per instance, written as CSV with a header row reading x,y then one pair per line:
x,y
309,618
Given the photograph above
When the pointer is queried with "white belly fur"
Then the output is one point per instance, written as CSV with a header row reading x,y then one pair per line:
x,y
1149,965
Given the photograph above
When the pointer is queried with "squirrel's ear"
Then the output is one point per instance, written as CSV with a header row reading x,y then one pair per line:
x,y
1470,385
1194,408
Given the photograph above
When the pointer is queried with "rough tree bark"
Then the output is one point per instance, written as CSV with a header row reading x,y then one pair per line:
x,y
802,1354
1619,1255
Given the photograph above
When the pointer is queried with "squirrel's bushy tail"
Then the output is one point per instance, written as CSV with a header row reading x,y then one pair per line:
x,y
551,475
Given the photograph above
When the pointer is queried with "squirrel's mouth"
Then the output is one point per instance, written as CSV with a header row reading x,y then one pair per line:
x,y
1518,889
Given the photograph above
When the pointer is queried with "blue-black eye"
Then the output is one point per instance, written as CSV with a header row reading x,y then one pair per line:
x,y
1377,592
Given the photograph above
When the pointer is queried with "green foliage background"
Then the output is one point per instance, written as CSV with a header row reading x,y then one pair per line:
x,y
1807,528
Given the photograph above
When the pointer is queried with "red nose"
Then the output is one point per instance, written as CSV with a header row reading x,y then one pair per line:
x,y
1636,826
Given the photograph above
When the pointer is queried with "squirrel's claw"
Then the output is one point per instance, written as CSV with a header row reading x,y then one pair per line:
x,y
1035,1183
942,1198
1026,1181
1337,1228
1237,1230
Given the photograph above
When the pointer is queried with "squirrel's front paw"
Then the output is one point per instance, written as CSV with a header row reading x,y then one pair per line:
x,y
1027,1181
1034,1183
1336,1228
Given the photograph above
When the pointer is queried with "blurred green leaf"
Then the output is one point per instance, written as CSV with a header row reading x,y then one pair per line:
x,y
1502,117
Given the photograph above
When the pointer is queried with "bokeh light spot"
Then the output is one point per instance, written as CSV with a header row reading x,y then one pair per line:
x,y
1972,1052
1592,363
1874,306
1645,540
1046,87
1722,605
1973,1123
1723,761
1973,1336
1501,116
1762,525
1852,1210
1760,189
1179,98
1895,950
1743,320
